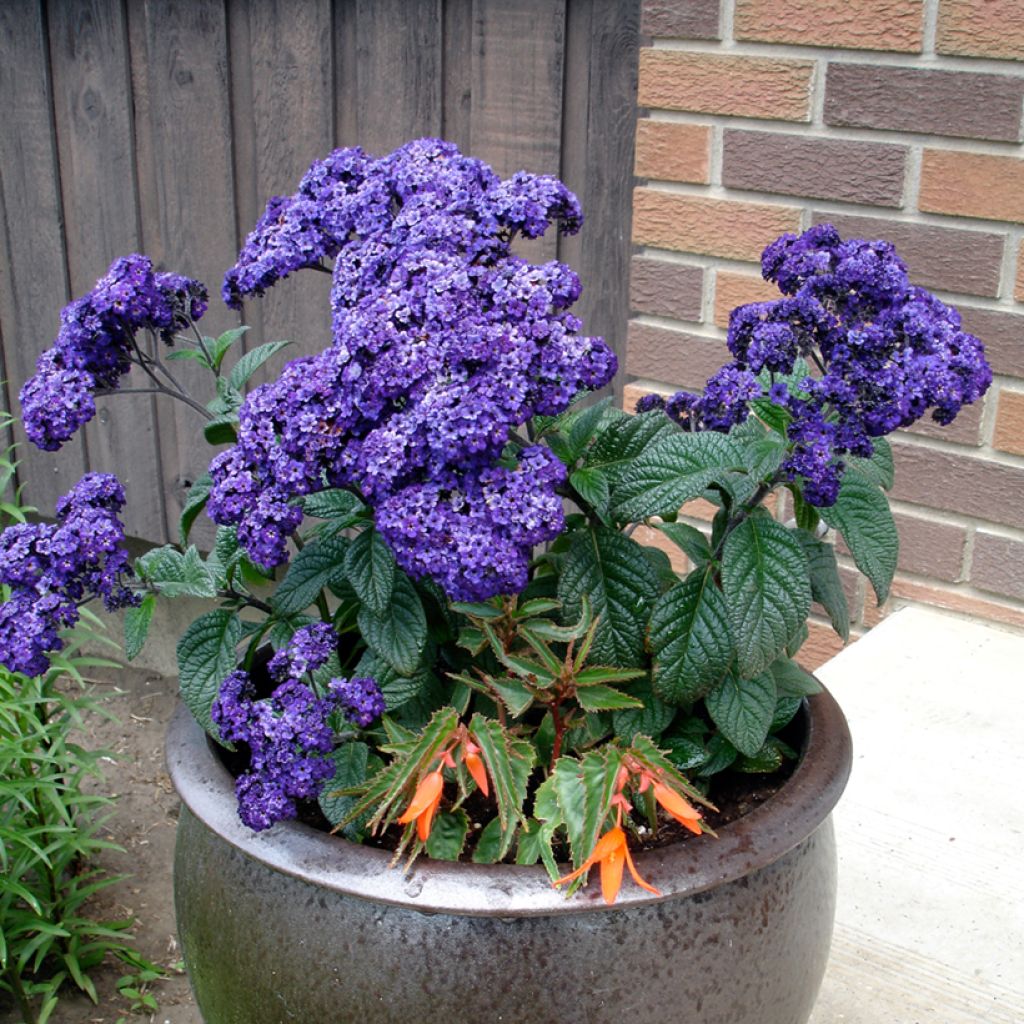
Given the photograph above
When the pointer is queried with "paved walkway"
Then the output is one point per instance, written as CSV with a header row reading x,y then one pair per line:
x,y
930,925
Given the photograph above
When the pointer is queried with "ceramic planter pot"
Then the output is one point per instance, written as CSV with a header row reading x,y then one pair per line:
x,y
295,925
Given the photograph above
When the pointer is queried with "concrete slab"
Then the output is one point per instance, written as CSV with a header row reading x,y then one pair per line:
x,y
930,922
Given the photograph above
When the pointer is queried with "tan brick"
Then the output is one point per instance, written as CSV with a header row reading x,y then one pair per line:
x,y
699,509
733,289
652,538
853,24
673,152
981,28
998,565
906,591
822,644
632,393
972,185
680,19
715,227
666,289
710,83
1018,290
1009,431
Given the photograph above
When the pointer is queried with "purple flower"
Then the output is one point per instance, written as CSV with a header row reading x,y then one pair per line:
x,y
360,698
444,341
93,347
53,568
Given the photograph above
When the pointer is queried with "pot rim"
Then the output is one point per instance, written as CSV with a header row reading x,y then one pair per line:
x,y
684,869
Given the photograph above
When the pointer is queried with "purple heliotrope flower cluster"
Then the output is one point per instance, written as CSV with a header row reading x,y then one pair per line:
x,y
288,734
53,568
93,346
883,352
443,342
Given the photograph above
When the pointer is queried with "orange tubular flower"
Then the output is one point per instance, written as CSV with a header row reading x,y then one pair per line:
x,y
679,807
424,804
611,852
475,766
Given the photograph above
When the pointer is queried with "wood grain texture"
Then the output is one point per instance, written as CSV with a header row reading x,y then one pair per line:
x,y
93,117
180,64
33,273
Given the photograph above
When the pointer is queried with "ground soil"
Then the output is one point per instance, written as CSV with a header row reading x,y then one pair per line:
x,y
143,823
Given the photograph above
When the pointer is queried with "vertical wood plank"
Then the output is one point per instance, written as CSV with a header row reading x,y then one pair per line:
x,y
33,273
597,158
183,130
517,67
399,72
92,113
457,99
288,123
346,114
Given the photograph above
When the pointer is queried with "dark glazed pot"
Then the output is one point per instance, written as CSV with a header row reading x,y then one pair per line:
x,y
295,925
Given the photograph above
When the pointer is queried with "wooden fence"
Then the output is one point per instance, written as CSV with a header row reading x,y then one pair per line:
x,y
163,127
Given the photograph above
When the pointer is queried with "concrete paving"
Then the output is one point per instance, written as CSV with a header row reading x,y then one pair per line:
x,y
930,922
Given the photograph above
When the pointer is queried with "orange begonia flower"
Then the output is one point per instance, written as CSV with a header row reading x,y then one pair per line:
x,y
679,807
424,804
611,852
477,770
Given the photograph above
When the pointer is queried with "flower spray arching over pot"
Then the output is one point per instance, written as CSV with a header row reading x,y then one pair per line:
x,y
473,654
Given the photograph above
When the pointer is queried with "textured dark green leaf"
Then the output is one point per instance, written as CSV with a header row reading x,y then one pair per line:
x,y
176,574
766,588
689,539
582,426
879,469
792,681
370,568
743,710
334,504
862,515
195,502
136,626
252,361
221,429
670,473
610,570
691,639
206,655
350,769
605,698
623,437
826,586
399,636
319,564
397,689
652,719
448,835
592,485
218,347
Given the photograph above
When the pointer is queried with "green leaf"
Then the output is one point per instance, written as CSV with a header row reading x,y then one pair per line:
x,y
219,347
583,424
229,399
397,689
252,361
677,469
195,502
488,849
606,674
513,693
206,655
772,415
826,586
651,720
508,765
592,485
719,756
334,504
319,564
584,789
691,639
861,513
610,570
175,574
623,438
136,626
766,588
879,469
448,835
399,636
177,355
689,539
370,568
350,770
604,698
222,429
743,710
792,681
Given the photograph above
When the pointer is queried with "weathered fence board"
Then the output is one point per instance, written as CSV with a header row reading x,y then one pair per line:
x,y
164,126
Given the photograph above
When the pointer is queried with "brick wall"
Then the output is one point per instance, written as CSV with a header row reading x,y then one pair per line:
x,y
896,119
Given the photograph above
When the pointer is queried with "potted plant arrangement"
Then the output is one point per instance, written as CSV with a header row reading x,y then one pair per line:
x,y
444,684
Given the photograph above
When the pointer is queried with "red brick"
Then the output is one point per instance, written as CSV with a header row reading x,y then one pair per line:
x,y
1001,333
822,644
859,172
1018,290
680,19
1009,430
971,486
712,83
916,100
673,152
733,289
851,582
662,288
972,185
679,358
927,548
632,393
906,591
850,24
953,259
997,565
715,227
965,429
981,28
